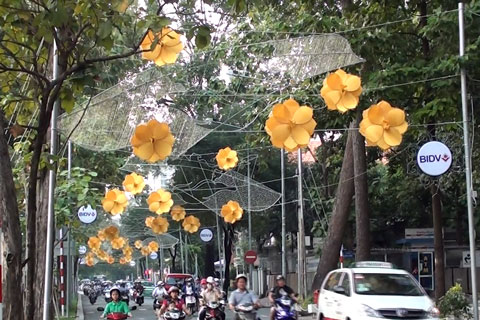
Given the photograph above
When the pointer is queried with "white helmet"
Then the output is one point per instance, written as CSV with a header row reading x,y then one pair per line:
x,y
160,283
210,280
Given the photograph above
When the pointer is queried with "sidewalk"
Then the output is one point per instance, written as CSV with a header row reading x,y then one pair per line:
x,y
80,315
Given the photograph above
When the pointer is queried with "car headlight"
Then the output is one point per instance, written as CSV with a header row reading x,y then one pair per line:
x,y
434,312
370,312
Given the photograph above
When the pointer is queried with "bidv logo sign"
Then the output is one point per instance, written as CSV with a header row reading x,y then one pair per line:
x,y
206,235
434,158
87,214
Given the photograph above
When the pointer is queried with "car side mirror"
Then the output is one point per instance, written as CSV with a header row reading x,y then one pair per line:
x,y
339,290
133,308
100,309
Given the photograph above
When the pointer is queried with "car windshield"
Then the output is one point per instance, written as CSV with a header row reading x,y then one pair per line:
x,y
386,284
175,281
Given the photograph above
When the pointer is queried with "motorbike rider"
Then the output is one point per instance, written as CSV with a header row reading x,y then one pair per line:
x,y
280,290
189,288
203,284
117,304
241,296
173,301
138,287
210,294
159,292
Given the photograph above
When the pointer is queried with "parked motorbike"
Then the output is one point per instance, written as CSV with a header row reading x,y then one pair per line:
x,y
246,312
174,314
284,309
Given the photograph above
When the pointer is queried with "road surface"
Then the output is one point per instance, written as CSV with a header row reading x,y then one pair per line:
x,y
145,312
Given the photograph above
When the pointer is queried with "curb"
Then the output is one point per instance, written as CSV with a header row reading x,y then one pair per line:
x,y
80,315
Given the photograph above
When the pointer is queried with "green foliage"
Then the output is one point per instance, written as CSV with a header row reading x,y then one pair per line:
x,y
454,303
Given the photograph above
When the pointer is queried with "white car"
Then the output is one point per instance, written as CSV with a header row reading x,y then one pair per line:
x,y
373,290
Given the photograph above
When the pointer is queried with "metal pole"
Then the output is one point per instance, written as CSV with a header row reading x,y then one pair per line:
x,y
249,207
69,292
181,249
196,265
47,294
468,171
219,244
302,286
186,254
284,232
161,263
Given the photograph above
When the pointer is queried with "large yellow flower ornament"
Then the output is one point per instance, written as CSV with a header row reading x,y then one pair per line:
x,y
341,91
145,251
178,213
102,255
153,246
191,224
134,183
111,233
227,158
152,141
94,243
114,202
118,243
383,125
167,49
290,126
127,251
160,201
159,225
138,244
231,212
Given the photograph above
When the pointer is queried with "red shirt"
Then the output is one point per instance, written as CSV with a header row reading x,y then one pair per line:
x,y
178,303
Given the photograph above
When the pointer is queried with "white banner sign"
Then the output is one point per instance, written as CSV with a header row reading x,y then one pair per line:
x,y
206,235
434,158
87,214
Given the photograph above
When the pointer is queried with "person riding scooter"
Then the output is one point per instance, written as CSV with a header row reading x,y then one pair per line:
x,y
280,290
209,295
116,305
173,302
243,302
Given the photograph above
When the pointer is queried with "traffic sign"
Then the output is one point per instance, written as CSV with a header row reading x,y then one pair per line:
x,y
250,257
87,214
434,158
206,235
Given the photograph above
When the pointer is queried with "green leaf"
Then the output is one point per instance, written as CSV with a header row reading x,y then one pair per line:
x,y
203,37
104,30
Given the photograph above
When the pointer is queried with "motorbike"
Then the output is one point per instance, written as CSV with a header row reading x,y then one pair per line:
x,y
137,296
213,310
174,314
246,312
116,315
191,303
125,297
284,309
92,296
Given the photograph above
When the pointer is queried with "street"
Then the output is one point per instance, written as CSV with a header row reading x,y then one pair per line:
x,y
145,312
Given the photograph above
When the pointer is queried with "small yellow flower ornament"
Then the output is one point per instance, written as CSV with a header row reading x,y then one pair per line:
x,y
152,141
153,246
114,202
383,125
341,91
231,212
191,224
94,243
227,158
111,233
134,183
138,244
159,225
167,49
178,213
160,201
290,126
118,243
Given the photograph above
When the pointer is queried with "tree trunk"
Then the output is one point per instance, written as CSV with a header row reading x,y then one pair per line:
x,y
173,255
209,268
362,252
438,242
227,243
341,210
12,292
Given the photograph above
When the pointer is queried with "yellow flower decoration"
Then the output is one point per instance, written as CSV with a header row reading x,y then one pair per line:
x,y
227,158
191,224
145,251
159,225
111,260
153,246
127,251
152,141
290,126
138,244
178,213
232,212
167,49
122,260
118,243
89,261
94,243
160,201
114,202
148,221
341,91
102,255
111,233
134,183
383,125
128,258
101,234
90,255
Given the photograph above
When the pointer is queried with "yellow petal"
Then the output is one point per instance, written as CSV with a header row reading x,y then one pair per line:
x,y
352,83
384,106
145,151
152,54
281,132
332,98
375,114
143,132
270,124
334,82
348,101
310,126
401,128
159,130
162,149
108,205
291,105
281,113
374,133
343,75
168,56
300,135
302,115
121,198
395,117
381,143
154,206
290,143
392,137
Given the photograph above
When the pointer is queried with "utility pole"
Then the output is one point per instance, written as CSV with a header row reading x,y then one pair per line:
x,y
302,274
284,233
181,248
249,205
468,170
47,294
69,238
186,254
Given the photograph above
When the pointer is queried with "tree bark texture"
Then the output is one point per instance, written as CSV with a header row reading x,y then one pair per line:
x,y
227,243
209,268
331,249
362,215
438,242
12,291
